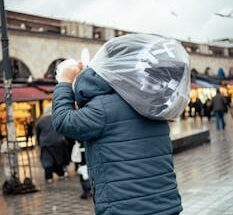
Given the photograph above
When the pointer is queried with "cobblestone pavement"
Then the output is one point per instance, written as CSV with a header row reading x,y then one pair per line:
x,y
204,174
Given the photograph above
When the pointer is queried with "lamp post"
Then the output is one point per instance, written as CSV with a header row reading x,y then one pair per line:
x,y
12,185
11,134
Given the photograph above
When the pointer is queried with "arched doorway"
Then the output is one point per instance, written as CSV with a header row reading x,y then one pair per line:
x,y
19,70
51,73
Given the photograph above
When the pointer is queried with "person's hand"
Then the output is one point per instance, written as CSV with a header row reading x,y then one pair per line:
x,y
68,70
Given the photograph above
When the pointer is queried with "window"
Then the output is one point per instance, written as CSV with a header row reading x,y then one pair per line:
x,y
230,52
98,33
217,51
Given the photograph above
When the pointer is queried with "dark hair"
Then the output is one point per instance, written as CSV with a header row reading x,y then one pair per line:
x,y
218,90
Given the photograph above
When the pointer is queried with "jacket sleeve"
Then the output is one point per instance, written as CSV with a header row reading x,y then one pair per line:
x,y
81,124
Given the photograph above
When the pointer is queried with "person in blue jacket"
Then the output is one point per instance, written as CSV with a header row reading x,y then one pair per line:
x,y
129,156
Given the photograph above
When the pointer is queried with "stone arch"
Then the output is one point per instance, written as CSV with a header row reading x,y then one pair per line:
x,y
51,72
19,70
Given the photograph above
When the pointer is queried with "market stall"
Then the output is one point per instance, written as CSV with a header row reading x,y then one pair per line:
x,y
28,103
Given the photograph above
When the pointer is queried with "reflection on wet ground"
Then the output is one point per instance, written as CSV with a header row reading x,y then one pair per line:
x,y
204,176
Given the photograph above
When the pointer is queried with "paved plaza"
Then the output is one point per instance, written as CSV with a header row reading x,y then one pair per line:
x,y
204,173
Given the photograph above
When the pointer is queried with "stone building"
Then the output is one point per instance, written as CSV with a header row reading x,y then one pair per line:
x,y
37,44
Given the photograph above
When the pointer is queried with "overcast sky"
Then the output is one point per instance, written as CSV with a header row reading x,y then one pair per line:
x,y
182,19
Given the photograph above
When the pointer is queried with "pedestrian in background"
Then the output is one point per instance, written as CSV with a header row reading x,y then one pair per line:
x,y
53,146
198,108
207,107
29,130
219,104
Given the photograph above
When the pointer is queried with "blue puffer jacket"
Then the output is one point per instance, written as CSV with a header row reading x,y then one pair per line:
x,y
129,157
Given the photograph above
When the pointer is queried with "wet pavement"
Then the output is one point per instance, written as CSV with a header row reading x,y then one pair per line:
x,y
204,174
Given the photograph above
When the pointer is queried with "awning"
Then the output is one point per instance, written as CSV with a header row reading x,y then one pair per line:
x,y
47,89
205,84
195,86
228,82
21,94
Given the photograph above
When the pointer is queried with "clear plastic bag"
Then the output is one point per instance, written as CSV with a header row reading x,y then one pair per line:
x,y
150,72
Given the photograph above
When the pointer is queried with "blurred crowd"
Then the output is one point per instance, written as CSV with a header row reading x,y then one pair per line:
x,y
212,107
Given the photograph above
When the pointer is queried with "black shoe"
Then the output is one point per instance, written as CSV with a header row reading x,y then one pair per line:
x,y
86,195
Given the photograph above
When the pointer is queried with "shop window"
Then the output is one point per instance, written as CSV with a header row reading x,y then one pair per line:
x,y
24,113
23,26
64,30
19,71
51,73
98,33
230,52
40,29
193,49
119,33
188,49
2,121
217,52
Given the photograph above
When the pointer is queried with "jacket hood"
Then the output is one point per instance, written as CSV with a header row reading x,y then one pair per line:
x,y
88,85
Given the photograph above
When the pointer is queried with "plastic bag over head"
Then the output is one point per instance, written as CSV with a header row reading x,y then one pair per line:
x,y
150,72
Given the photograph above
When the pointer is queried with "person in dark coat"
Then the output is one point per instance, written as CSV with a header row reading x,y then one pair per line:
x,y
29,128
198,107
54,154
207,107
129,157
191,106
219,107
